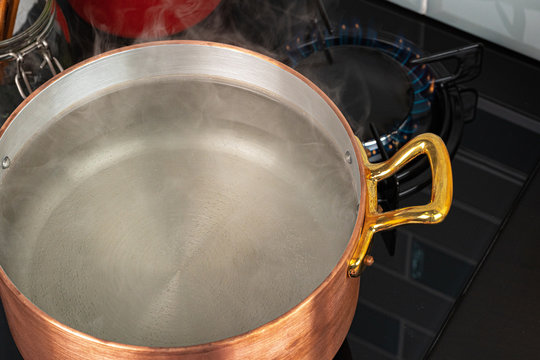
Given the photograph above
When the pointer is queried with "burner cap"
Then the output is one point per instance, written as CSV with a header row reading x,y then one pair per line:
x,y
366,84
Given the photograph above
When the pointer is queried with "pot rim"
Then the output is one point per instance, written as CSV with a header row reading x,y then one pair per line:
x,y
340,269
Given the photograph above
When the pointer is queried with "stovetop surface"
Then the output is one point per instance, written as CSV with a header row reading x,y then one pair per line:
x,y
405,300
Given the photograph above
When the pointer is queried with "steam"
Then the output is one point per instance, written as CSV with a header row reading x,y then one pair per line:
x,y
175,210
155,208
257,25
267,27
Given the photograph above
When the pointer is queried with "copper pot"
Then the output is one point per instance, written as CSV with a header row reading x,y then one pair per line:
x,y
310,325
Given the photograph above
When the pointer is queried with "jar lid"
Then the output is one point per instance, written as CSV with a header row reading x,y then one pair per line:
x,y
27,14
34,19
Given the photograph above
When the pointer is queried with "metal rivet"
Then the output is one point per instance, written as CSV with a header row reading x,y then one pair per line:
x,y
368,260
348,157
6,162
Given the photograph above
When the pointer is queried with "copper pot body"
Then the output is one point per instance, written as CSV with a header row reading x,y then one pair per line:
x,y
313,329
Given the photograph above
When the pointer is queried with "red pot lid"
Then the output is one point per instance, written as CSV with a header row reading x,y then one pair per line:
x,y
147,19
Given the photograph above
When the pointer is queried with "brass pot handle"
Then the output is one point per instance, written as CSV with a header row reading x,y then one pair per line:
x,y
431,213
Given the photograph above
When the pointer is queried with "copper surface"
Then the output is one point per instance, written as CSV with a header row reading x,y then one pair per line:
x,y
11,17
314,329
369,260
4,18
4,25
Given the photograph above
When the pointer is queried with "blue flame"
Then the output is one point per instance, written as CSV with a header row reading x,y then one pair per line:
x,y
399,49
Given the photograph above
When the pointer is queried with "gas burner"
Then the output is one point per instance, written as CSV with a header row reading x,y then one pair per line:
x,y
389,83
393,85
384,88
390,91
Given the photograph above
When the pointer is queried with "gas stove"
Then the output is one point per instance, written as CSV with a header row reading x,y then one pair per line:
x,y
395,74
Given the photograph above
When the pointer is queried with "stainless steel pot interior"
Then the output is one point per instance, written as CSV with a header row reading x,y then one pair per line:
x,y
175,194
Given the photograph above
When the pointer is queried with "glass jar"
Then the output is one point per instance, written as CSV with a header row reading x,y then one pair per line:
x,y
37,51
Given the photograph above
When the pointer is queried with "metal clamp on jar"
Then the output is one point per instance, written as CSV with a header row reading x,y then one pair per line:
x,y
27,50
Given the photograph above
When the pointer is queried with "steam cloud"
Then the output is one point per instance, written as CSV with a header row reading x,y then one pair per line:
x,y
240,203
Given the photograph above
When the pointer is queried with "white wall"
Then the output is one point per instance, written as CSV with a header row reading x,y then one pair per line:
x,y
511,23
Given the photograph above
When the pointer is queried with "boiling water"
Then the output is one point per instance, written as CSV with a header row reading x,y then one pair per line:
x,y
175,212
